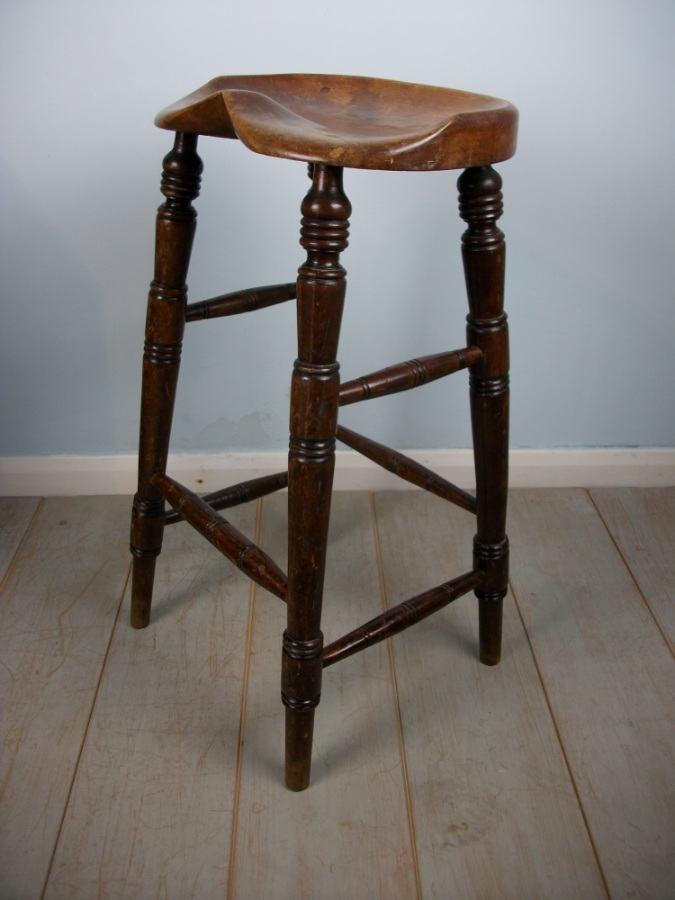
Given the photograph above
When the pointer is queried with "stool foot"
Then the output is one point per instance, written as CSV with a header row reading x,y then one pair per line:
x,y
299,731
142,580
490,628
301,671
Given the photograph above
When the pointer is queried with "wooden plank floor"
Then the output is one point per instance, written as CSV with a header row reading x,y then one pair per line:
x,y
149,763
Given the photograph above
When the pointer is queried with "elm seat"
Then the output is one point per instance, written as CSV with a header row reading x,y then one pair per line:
x,y
363,123
333,123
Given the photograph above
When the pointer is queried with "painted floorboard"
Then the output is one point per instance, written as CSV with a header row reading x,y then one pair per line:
x,y
642,522
151,809
608,674
16,515
347,835
495,814
59,605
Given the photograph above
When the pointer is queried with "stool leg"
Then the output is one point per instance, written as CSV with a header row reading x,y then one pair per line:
x,y
483,251
161,359
313,423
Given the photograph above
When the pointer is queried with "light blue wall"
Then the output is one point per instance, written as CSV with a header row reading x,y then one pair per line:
x,y
589,219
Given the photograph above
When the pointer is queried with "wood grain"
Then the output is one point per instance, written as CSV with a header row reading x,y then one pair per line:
x,y
484,258
59,605
315,387
407,375
608,674
151,809
347,121
642,523
16,515
495,814
406,468
238,302
235,546
346,836
401,617
164,326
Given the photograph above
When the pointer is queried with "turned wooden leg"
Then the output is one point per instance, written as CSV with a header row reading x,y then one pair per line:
x,y
483,251
161,360
313,424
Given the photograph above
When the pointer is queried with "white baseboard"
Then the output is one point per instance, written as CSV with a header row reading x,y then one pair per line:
x,y
77,475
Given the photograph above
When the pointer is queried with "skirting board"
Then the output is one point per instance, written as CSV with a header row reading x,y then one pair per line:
x,y
47,476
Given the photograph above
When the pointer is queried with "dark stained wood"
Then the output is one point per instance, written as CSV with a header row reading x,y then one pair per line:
x,y
483,253
240,302
400,617
238,494
176,220
363,123
224,536
315,391
331,122
406,468
407,375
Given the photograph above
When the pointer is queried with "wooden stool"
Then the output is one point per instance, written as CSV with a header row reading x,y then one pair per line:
x,y
332,123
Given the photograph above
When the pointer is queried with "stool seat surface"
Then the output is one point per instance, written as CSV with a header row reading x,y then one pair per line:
x,y
364,123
